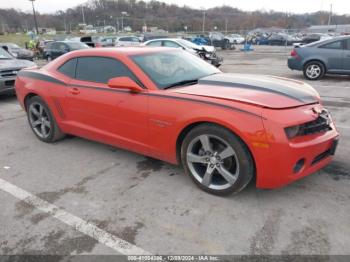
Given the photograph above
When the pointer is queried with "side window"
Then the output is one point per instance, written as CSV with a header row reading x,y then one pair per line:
x,y
135,39
125,39
155,43
348,44
171,44
54,46
333,45
68,68
101,69
62,47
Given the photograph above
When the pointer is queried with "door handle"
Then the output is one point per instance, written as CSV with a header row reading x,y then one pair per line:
x,y
74,91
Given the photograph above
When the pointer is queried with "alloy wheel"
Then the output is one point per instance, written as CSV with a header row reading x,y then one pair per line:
x,y
39,120
213,162
313,71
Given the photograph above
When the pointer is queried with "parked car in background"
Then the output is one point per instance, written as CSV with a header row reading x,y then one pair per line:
x,y
9,67
236,38
218,39
108,41
127,41
18,51
330,56
282,39
207,53
55,49
96,41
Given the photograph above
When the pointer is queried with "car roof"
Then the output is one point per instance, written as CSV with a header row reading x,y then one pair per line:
x,y
122,50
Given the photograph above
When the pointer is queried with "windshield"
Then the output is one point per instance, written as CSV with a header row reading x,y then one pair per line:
x,y
188,44
77,45
168,68
4,54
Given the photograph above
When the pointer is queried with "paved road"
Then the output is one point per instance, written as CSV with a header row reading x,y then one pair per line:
x,y
154,206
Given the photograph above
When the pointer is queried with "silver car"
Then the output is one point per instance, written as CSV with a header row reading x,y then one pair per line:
x,y
9,67
330,56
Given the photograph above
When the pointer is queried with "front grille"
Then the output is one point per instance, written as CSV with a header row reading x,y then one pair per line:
x,y
321,156
321,124
9,73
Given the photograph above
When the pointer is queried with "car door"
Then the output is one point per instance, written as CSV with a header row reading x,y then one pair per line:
x,y
332,54
346,56
112,115
54,50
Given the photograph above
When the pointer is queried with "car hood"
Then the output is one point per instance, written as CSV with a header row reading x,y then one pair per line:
x,y
14,63
206,48
265,91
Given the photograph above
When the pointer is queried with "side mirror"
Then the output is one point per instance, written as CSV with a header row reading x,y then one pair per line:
x,y
124,82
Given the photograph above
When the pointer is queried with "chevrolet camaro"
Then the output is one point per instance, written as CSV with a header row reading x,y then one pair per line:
x,y
224,129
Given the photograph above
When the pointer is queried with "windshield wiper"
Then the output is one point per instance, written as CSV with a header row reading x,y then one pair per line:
x,y
182,83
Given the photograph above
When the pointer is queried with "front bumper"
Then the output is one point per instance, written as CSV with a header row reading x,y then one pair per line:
x,y
276,163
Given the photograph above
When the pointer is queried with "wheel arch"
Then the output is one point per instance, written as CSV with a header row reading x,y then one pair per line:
x,y
315,60
27,97
192,125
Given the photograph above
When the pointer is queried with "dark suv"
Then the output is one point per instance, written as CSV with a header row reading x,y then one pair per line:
x,y
53,50
323,57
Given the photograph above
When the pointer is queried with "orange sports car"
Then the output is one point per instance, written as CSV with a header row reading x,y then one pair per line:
x,y
168,104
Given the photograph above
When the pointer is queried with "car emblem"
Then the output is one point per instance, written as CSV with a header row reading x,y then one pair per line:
x,y
14,72
317,110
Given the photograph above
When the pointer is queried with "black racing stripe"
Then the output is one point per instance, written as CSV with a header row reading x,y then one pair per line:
x,y
299,96
40,76
47,78
207,103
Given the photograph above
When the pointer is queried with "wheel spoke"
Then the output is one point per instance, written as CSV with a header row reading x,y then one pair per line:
x,y
195,158
43,130
41,109
205,142
36,123
227,175
208,176
227,153
34,111
47,123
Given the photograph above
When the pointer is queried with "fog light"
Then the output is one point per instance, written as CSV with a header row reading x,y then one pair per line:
x,y
299,165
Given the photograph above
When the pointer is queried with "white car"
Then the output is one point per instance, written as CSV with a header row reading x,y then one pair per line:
x,y
207,53
236,38
127,41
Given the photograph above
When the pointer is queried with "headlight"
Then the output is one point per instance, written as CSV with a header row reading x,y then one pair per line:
x,y
207,55
292,131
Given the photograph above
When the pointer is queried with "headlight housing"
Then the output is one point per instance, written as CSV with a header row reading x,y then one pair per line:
x,y
292,131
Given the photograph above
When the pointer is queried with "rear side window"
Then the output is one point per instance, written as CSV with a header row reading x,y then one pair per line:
x,y
171,44
155,43
101,69
333,45
348,44
68,68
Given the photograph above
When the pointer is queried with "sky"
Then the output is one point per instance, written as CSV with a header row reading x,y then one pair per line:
x,y
292,6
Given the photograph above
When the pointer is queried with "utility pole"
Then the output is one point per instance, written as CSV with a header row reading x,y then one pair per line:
x,y
123,13
203,23
35,22
82,11
226,22
330,15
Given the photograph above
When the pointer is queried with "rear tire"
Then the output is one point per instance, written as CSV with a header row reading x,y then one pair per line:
x,y
216,160
41,121
314,70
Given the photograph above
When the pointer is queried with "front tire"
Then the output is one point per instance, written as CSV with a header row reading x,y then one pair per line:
x,y
41,121
217,160
314,70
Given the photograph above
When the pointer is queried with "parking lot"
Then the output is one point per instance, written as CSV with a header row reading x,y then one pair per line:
x,y
156,208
